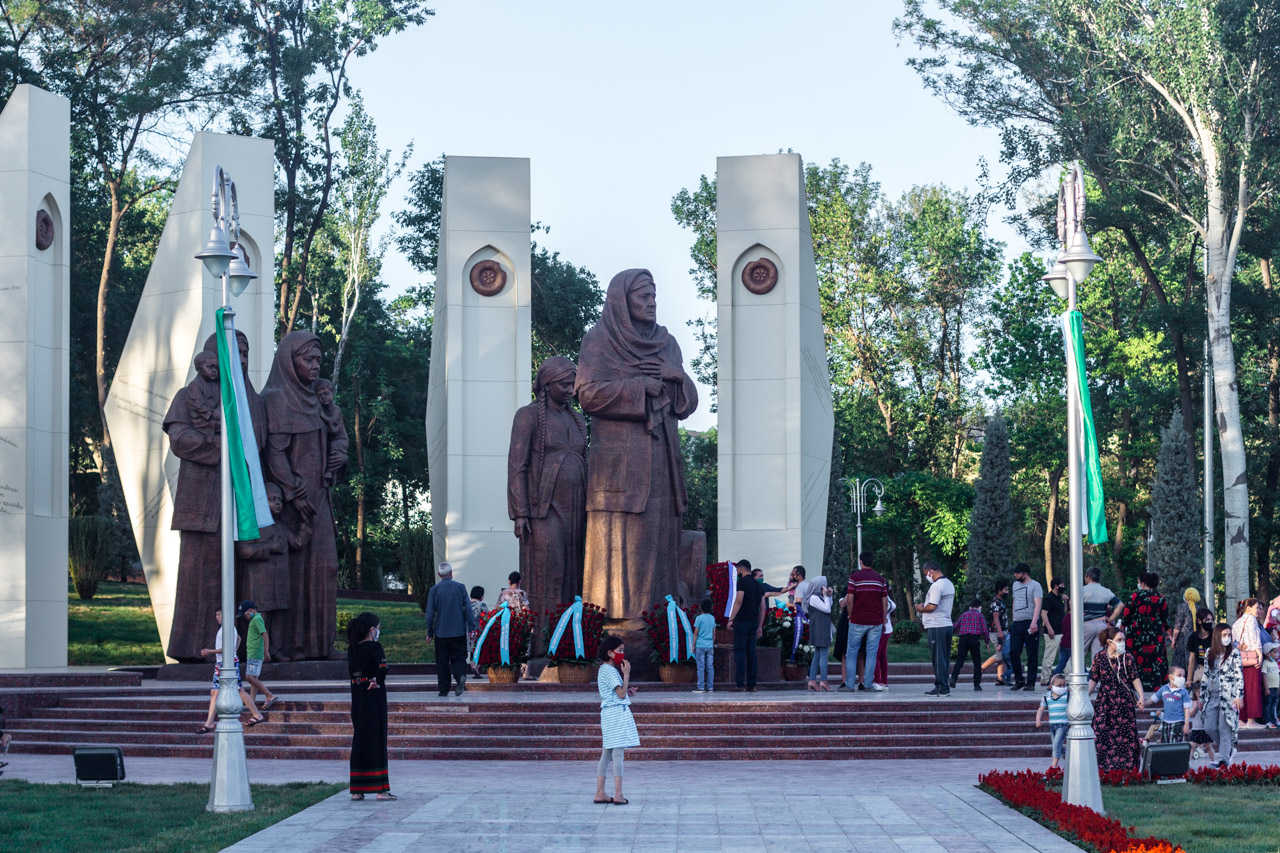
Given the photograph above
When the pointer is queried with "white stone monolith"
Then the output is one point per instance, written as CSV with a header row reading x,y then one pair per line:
x,y
174,318
35,340
480,364
775,418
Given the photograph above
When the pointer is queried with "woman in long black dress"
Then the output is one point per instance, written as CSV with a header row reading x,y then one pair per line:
x,y
367,663
1115,676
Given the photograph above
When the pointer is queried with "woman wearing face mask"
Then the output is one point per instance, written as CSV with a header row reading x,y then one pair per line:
x,y
1119,697
617,725
1223,693
367,663
1198,645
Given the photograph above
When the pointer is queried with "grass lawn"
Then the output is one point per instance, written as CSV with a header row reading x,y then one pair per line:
x,y
140,818
118,628
1201,818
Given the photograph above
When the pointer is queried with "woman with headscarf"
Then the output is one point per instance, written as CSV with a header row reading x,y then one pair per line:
x,y
631,380
298,455
814,597
1247,632
547,491
1184,625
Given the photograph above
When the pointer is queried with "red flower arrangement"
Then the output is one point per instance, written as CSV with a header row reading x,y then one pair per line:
x,y
1028,792
655,626
718,590
1236,774
521,632
593,617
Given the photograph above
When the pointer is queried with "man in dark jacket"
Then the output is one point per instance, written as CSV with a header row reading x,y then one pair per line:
x,y
449,618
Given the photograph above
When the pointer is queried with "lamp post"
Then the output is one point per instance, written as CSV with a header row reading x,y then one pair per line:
x,y
1080,784
858,499
225,260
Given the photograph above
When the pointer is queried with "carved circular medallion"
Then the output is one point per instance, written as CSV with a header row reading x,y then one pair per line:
x,y
44,230
760,276
488,278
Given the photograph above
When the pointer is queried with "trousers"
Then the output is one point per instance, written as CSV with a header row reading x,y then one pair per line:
x,y
968,644
1022,637
1049,658
451,661
744,654
940,650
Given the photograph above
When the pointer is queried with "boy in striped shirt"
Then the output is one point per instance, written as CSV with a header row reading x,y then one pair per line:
x,y
1055,704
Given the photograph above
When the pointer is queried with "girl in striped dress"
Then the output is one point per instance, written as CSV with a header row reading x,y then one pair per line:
x,y
617,725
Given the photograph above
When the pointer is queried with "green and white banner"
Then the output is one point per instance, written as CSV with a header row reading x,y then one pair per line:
x,y
249,492
1094,515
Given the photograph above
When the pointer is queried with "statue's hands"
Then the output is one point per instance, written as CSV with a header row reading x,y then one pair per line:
x,y
336,460
303,505
522,528
652,387
672,374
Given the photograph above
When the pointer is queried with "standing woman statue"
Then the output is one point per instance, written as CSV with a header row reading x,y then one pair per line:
x,y
547,490
298,456
631,381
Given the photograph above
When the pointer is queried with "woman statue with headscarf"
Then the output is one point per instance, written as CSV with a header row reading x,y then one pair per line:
x,y
547,490
631,381
298,455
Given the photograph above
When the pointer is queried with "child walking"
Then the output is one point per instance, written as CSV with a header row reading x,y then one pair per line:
x,y
971,633
1054,703
704,648
257,648
210,722
1175,717
617,725
1271,685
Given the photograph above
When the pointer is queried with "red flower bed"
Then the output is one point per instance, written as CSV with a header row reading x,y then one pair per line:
x,y
1236,774
1028,792
520,633
718,590
593,617
655,626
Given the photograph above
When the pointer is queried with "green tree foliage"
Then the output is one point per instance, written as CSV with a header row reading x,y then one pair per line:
x,y
301,53
991,547
1175,514
699,451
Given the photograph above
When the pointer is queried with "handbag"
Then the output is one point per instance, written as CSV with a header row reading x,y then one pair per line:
x,y
1250,657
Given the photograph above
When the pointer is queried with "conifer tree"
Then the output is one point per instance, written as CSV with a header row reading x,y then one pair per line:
x,y
991,544
1175,515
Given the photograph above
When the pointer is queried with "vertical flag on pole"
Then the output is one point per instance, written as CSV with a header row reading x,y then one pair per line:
x,y
1094,514
249,492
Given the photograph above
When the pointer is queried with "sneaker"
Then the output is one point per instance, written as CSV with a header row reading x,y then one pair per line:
x,y
878,687
953,684
844,688
977,687
697,690
1001,683
934,692
1018,685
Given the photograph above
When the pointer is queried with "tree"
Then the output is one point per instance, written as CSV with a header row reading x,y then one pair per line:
x,y
1173,102
701,484
1175,513
991,546
303,50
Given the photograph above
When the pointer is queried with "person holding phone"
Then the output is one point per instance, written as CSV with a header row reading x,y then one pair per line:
x,y
617,725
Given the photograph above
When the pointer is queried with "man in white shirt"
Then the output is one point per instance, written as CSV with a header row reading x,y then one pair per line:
x,y
935,616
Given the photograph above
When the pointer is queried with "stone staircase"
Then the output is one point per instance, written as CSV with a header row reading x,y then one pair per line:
x,y
551,721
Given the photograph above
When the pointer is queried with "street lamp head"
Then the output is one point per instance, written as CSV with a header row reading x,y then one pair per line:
x,y
216,253
878,509
1056,278
1079,257
238,271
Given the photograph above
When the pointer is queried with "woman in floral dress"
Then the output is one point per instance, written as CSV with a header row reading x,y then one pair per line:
x,y
1223,693
1119,696
1146,618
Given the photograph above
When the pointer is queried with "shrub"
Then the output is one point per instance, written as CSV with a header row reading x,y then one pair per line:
x,y
906,633
89,545
417,563
344,618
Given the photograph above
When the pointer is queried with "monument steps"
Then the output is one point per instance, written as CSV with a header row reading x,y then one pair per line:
x,y
904,724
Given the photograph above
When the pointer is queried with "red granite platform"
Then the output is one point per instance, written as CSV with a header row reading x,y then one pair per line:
x,y
539,721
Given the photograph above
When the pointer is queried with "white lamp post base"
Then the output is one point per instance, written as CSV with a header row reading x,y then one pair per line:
x,y
229,784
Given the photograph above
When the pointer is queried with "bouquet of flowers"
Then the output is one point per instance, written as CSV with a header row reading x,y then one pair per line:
x,y
520,633
655,626
720,588
779,632
593,617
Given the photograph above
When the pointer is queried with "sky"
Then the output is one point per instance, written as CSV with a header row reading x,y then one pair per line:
x,y
619,106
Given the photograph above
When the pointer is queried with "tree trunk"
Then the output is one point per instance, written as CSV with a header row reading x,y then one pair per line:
x,y
1235,483
1267,509
1055,481
104,281
360,495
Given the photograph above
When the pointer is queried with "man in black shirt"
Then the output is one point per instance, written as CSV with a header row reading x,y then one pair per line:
x,y
1052,612
747,618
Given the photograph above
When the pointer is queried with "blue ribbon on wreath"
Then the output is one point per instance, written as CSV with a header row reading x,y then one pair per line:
x,y
504,640
733,586
799,629
674,611
572,615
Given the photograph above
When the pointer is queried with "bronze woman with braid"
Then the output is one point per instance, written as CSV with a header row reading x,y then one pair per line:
x,y
546,490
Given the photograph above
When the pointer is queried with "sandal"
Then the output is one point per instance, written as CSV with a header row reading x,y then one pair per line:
x,y
357,796
387,796
204,730
273,700
621,802
255,721
605,801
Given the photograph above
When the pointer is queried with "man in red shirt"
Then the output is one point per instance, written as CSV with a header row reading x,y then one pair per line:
x,y
866,601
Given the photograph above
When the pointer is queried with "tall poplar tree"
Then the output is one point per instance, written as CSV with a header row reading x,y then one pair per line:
x,y
1175,514
991,543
